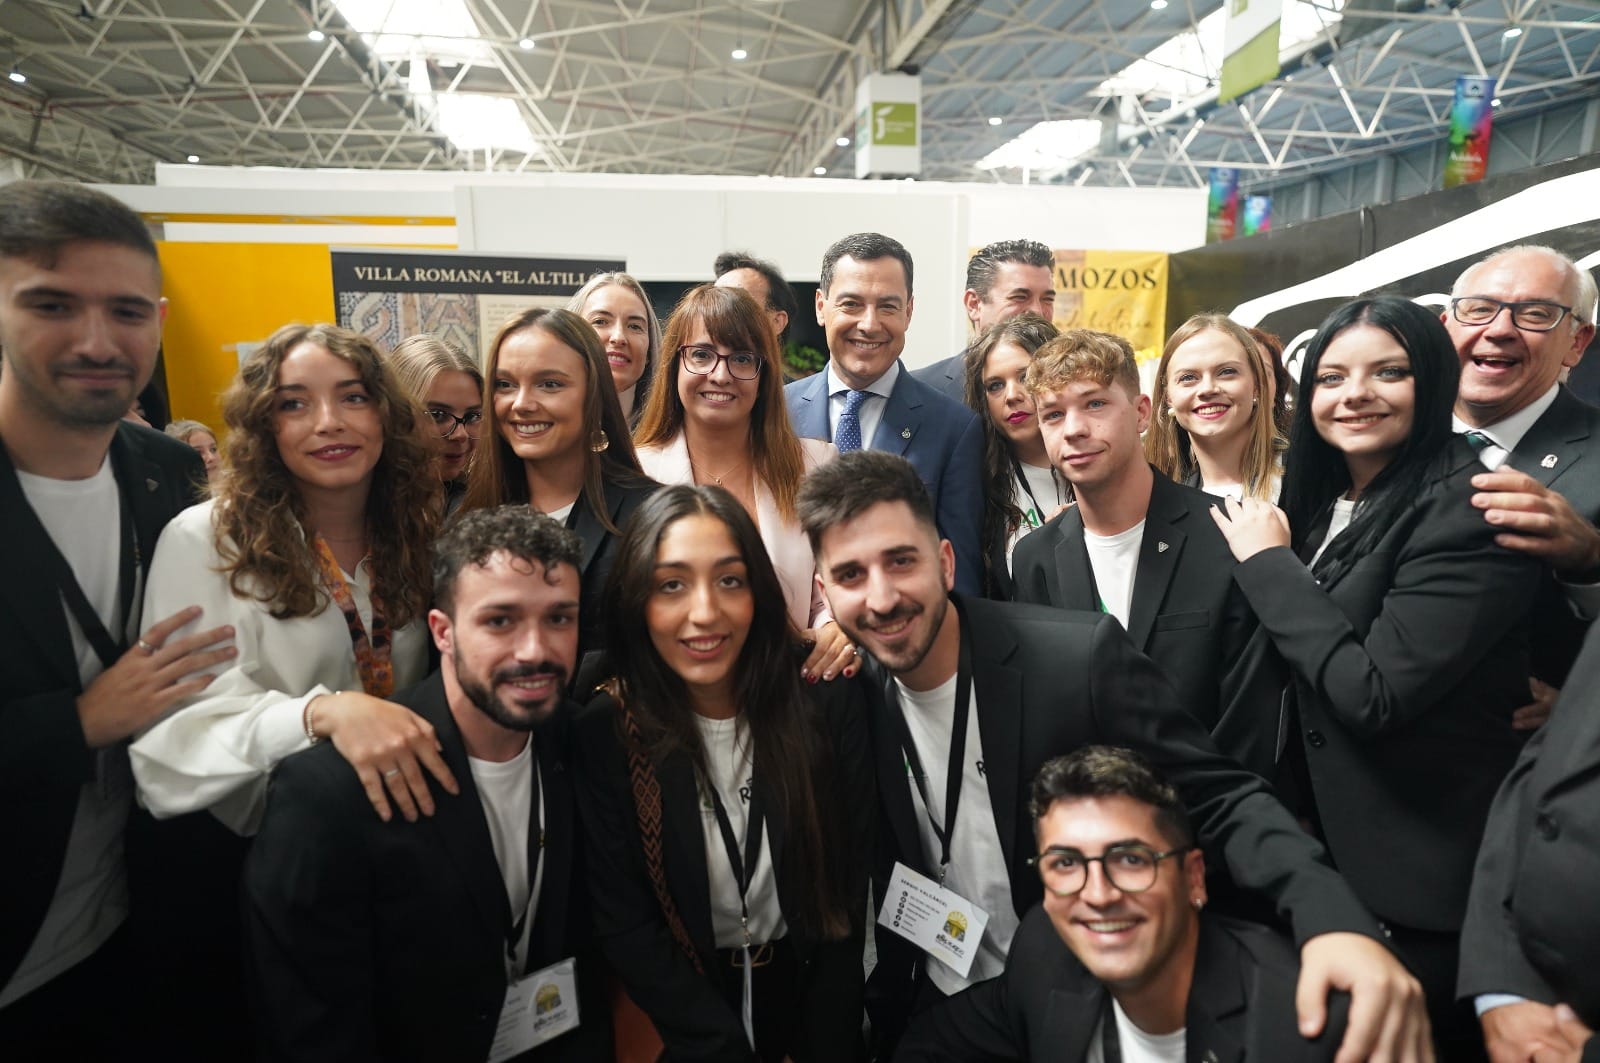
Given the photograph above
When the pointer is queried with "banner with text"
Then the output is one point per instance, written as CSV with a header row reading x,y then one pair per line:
x,y
1471,119
1122,292
888,126
460,298
1249,46
1222,204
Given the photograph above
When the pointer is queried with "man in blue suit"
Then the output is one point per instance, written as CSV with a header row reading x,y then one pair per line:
x,y
864,399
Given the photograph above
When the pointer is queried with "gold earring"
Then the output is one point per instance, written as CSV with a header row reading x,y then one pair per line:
x,y
599,441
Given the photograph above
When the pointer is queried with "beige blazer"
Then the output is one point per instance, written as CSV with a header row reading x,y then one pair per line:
x,y
787,545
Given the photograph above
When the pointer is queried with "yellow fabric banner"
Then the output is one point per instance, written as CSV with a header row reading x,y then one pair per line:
x,y
1122,292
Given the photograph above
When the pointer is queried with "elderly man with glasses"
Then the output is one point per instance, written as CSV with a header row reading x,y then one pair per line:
x,y
1119,964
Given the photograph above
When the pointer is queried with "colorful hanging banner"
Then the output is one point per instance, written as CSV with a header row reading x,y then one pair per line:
x,y
1222,205
1249,46
1257,215
1471,117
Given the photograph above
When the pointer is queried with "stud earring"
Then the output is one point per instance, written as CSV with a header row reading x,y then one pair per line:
x,y
1198,902
599,441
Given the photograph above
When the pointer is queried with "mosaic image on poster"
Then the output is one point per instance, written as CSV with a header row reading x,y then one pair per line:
x,y
459,298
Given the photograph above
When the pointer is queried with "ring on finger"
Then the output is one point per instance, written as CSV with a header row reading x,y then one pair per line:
x,y
391,773
146,648
855,651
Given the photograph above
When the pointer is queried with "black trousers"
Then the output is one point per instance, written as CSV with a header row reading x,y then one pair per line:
x,y
1433,957
773,989
84,1014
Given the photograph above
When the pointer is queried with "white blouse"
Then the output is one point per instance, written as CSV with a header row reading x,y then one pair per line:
x,y
216,748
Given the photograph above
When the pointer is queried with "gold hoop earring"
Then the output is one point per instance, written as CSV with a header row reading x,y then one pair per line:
x,y
599,441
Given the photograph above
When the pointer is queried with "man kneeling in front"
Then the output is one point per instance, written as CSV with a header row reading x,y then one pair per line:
x,y
465,936
1118,963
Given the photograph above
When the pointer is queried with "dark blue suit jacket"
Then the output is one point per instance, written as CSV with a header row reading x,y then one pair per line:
x,y
941,438
948,377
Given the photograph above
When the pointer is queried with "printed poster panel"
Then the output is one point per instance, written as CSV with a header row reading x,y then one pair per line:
x,y
1471,120
460,298
1122,292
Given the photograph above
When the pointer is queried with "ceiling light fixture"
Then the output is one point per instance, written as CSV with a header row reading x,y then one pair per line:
x,y
1158,5
819,170
843,142
994,119
193,158
16,75
740,53
1495,102
316,36
526,44
1513,33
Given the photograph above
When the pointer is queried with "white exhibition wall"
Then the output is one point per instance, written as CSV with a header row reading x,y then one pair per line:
x,y
671,228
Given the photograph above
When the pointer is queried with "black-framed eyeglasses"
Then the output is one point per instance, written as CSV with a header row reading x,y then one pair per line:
x,y
1129,868
702,361
446,422
1535,315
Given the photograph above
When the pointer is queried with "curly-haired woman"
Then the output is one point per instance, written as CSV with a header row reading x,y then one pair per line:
x,y
316,548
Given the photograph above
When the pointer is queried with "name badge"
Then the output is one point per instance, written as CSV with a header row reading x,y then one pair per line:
x,y
938,921
538,1007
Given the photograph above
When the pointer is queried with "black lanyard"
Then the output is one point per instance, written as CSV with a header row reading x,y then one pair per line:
x,y
1110,1040
1022,478
958,750
744,871
108,649
514,929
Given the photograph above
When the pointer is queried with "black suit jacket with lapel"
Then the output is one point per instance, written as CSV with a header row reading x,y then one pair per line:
x,y
1047,1006
44,760
1051,681
1407,668
1531,928
599,552
1562,451
375,941
689,1009
1186,614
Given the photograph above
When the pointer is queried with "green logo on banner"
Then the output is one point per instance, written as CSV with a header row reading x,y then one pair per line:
x,y
894,124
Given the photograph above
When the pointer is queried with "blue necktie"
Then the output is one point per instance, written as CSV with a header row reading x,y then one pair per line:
x,y
847,436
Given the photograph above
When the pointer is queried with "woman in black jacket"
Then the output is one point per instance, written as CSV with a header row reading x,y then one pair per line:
x,y
726,802
1405,635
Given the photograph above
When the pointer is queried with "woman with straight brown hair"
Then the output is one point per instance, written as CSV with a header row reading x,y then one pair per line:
x,y
1214,425
716,416
555,437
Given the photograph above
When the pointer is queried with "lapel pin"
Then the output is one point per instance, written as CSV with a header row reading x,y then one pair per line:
x,y
1161,548
905,433
1549,461
151,485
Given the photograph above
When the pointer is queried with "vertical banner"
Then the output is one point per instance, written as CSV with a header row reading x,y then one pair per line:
x,y
1257,215
463,299
1249,46
1222,204
1471,117
1122,292
889,126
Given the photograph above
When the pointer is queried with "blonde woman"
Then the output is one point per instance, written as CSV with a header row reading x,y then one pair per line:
x,y
616,307
448,385
202,439
1214,426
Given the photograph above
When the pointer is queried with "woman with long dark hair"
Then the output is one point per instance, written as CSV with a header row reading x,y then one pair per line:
x,y
716,415
723,799
1405,635
1214,424
555,437
1021,486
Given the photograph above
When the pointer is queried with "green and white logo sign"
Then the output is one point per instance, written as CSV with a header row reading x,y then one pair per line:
x,y
894,124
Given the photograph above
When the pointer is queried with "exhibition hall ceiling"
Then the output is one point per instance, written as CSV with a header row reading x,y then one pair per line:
x,y
104,89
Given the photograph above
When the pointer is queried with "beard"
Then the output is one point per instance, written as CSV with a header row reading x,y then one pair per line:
x,y
483,694
905,658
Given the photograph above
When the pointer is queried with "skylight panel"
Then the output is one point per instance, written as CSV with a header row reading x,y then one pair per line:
x,y
399,29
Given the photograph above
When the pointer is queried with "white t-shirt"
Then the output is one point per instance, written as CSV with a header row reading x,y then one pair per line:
x,y
83,518
1047,490
1138,1046
506,791
977,869
730,761
1114,560
1344,510
560,515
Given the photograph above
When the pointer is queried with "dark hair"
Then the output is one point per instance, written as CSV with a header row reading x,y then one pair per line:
x,y
987,260
853,483
865,247
779,295
259,516
516,530
497,475
1111,771
39,218
731,318
1316,472
1001,515
787,744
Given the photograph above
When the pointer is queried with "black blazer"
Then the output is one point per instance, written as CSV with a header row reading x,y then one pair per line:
x,y
688,1009
1531,927
1407,668
1562,451
1048,682
599,553
44,761
387,941
1186,614
948,376
1047,1006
